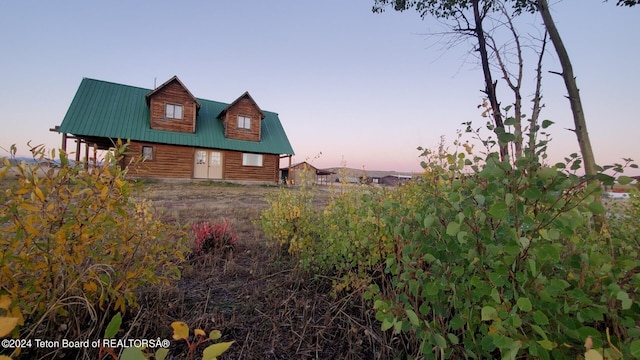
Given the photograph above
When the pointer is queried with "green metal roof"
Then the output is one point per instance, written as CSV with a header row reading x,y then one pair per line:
x,y
110,110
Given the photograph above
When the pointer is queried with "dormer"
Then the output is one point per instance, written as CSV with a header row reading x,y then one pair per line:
x,y
172,107
242,119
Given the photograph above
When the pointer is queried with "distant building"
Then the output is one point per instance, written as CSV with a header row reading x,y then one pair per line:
x,y
297,173
394,180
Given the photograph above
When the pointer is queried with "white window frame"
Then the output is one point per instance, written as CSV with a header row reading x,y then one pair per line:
x,y
244,122
173,111
147,157
252,159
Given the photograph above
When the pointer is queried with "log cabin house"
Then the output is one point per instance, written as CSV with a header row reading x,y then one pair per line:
x,y
178,135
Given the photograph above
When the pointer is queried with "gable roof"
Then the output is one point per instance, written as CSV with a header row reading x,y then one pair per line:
x,y
174,78
109,110
245,95
302,164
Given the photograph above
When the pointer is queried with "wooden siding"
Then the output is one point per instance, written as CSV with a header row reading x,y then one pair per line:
x,y
244,107
302,171
234,170
173,93
168,161
176,162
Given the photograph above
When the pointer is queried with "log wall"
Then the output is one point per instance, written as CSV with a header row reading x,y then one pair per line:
x,y
176,162
234,170
173,93
244,107
168,161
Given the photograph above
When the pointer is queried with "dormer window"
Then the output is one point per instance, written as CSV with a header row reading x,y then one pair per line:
x,y
173,111
244,122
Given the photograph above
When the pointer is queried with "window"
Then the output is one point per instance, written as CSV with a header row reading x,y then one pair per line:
x,y
172,111
244,122
252,159
147,153
215,158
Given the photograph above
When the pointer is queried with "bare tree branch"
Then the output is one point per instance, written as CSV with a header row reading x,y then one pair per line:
x,y
537,98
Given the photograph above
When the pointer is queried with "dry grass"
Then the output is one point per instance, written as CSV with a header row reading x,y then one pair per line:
x,y
255,296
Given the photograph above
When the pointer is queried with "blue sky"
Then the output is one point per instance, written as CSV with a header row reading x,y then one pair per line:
x,y
362,88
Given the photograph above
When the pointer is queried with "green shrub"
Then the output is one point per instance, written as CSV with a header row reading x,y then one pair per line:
x,y
483,258
500,260
290,220
76,243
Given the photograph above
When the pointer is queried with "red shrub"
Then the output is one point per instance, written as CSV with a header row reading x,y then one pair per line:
x,y
213,238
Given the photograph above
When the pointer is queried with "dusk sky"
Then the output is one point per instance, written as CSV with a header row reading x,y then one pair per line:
x,y
362,88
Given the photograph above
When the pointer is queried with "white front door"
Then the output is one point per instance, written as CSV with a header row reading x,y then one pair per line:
x,y
207,164
215,165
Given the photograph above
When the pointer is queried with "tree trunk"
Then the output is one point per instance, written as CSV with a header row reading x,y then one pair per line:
x,y
490,86
572,89
576,104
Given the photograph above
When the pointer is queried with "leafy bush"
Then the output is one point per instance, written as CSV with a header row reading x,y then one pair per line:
x,y
500,260
76,243
290,220
482,258
213,238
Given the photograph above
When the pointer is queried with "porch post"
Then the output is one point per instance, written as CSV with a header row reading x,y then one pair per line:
x,y
77,150
64,142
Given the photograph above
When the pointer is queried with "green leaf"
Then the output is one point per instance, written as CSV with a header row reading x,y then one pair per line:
x,y
488,313
499,211
539,331
506,137
510,121
548,253
547,344
546,123
397,327
215,335
462,237
453,339
161,354
597,208
513,350
386,324
624,299
440,341
113,327
624,180
634,348
533,193
453,228
132,353
211,352
428,221
540,318
413,318
524,304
